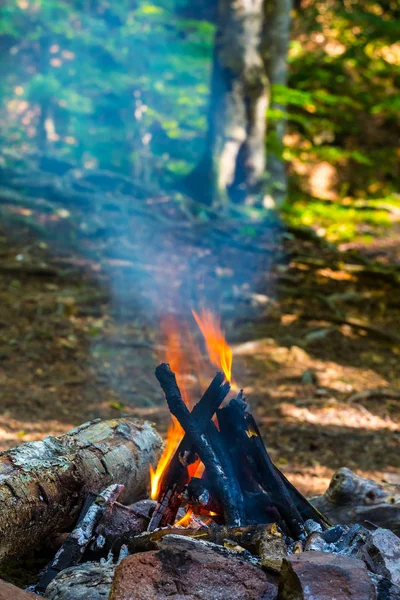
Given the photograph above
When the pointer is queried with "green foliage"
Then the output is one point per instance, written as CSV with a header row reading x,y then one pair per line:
x,y
341,222
124,85
120,85
343,102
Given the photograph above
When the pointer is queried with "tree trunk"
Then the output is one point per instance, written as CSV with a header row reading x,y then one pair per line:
x,y
275,44
234,159
44,484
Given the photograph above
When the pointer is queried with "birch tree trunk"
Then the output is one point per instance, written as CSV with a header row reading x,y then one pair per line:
x,y
275,43
44,484
234,159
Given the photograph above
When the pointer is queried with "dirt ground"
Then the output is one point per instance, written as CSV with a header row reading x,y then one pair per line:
x,y
304,346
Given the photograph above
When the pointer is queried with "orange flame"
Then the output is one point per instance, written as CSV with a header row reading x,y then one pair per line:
x,y
174,436
185,520
181,359
219,352
174,356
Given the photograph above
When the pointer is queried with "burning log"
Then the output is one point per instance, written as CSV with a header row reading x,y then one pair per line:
x,y
243,436
176,476
44,484
199,495
203,447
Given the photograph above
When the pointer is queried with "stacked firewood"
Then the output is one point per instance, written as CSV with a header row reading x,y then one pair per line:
x,y
240,484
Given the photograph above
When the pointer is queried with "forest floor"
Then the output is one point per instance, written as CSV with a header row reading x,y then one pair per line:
x,y
319,325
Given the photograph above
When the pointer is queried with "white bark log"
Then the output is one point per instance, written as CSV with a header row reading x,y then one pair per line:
x,y
43,484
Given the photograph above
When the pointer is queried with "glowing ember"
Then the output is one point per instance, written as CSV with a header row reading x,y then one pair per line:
x,y
219,352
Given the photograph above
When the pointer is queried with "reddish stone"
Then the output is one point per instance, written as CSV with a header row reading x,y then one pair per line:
x,y
175,574
323,576
11,592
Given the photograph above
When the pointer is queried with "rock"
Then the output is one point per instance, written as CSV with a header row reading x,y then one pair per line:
x,y
321,576
381,554
316,543
11,592
89,581
176,574
228,550
385,589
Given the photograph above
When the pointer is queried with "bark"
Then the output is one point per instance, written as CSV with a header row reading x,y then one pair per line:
x,y
275,44
43,484
234,159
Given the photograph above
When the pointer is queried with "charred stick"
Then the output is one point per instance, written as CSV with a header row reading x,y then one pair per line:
x,y
222,453
305,508
203,412
200,495
273,483
176,476
240,425
232,427
248,537
203,447
149,540
168,505
78,540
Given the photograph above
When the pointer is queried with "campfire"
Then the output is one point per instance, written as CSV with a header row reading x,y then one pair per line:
x,y
218,502
215,461
239,484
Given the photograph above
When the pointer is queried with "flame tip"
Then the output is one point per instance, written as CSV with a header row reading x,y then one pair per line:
x,y
220,355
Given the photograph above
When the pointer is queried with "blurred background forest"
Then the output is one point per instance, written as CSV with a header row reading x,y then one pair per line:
x,y
105,114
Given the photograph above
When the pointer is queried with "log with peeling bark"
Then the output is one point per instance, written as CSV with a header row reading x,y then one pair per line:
x,y
43,484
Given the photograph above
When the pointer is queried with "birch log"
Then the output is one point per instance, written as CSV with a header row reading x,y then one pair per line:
x,y
43,484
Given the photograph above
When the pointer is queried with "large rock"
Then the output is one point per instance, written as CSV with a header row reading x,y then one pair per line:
x,y
381,554
10,592
176,574
322,576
